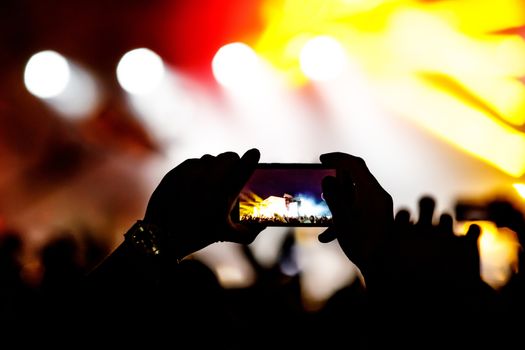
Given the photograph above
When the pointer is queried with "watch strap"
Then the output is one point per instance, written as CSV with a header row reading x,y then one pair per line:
x,y
145,238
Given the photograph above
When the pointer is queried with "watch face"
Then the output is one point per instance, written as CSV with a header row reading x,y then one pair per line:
x,y
145,238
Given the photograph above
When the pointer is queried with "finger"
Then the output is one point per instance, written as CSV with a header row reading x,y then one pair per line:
x,y
168,186
359,171
329,185
339,192
245,169
225,161
327,235
446,225
473,232
204,167
402,217
239,174
402,224
222,170
426,211
241,171
207,157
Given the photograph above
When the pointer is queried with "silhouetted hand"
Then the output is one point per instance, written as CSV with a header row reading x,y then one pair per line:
x,y
436,276
431,251
192,203
361,208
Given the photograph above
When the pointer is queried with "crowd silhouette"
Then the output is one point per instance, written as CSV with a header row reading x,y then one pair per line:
x,y
421,285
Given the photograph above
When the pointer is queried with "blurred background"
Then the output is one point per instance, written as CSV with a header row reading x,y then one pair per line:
x,y
99,99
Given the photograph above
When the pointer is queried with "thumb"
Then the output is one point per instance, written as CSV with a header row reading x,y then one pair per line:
x,y
327,235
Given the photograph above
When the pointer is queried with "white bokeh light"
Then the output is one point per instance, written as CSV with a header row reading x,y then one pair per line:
x,y
140,71
168,112
235,65
322,58
82,95
46,74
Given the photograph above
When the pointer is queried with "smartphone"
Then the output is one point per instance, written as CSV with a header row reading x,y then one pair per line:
x,y
285,194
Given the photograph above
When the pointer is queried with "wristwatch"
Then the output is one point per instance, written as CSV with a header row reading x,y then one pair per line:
x,y
145,238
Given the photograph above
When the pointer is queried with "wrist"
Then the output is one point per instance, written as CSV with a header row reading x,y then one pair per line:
x,y
144,248
153,240
145,239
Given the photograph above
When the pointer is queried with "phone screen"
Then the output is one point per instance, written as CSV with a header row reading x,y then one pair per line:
x,y
285,194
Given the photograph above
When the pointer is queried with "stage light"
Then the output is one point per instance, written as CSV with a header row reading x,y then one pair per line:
x,y
82,95
475,83
170,110
235,64
46,74
66,86
322,58
140,71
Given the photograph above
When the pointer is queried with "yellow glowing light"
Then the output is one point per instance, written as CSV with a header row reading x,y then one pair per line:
x,y
271,207
446,65
249,204
456,122
520,188
322,58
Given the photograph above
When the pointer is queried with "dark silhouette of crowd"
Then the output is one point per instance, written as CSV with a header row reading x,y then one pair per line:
x,y
284,220
421,285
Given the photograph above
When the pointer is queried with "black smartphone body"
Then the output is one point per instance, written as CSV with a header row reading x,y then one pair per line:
x,y
472,211
285,194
